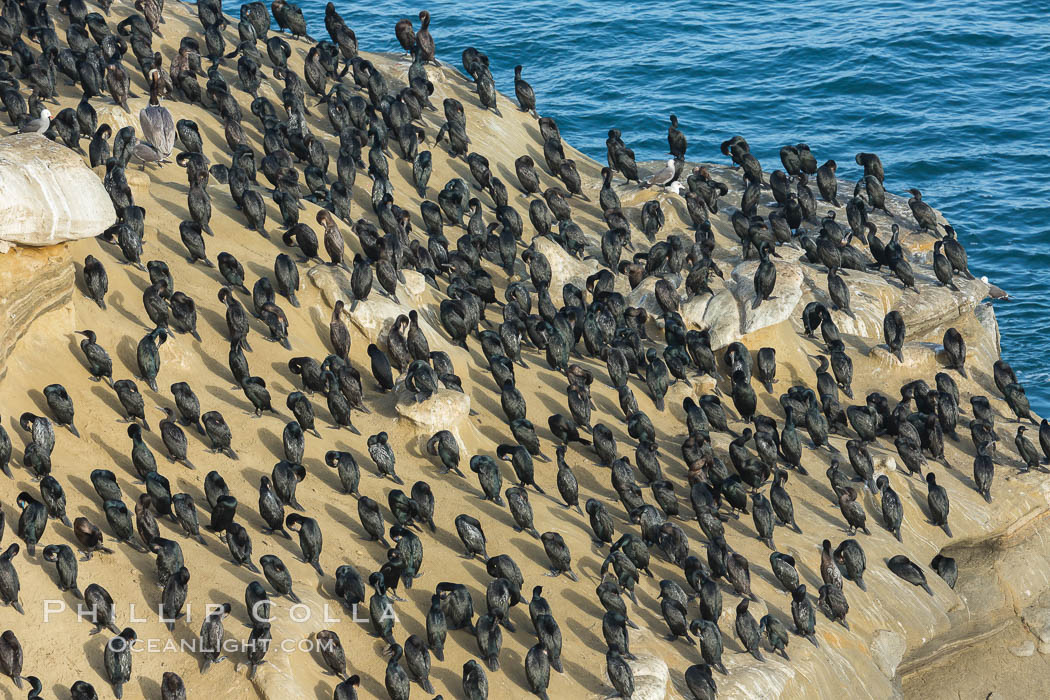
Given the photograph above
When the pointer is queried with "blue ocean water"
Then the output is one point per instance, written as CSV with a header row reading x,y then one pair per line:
x,y
952,95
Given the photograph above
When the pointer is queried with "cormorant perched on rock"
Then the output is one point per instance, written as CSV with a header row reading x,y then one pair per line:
x,y
676,141
893,332
908,570
922,211
523,91
937,499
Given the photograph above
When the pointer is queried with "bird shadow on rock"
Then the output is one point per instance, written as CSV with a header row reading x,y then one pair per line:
x,y
512,665
478,378
324,692
807,574
766,576
345,519
584,604
61,691
586,633
119,459
318,658
84,487
39,403
371,687
588,567
281,370
962,478
94,648
608,407
219,370
179,250
108,398
450,541
172,206
830,520
196,492
740,526
581,675
495,512
256,269
485,401
271,441
74,350
225,396
214,320
528,547
920,500
151,591
587,476
117,301
442,676
329,478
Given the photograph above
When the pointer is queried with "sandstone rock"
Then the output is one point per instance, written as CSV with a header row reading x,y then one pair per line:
x,y
372,317
33,281
414,286
1037,620
701,384
871,298
768,680
786,294
847,663
719,314
1026,648
650,677
920,356
375,316
47,194
287,670
275,679
138,181
644,296
935,305
873,295
986,317
887,648
445,410
565,269
117,118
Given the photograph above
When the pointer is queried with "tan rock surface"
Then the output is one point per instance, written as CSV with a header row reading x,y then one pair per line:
x,y
33,282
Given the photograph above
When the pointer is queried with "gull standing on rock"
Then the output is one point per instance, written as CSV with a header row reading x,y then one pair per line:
x,y
38,125
665,176
995,291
